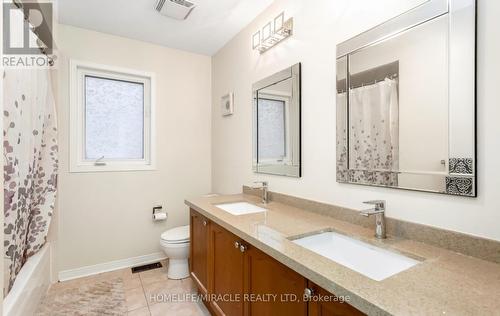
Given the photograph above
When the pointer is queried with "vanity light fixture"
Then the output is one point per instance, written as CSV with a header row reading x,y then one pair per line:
x,y
272,33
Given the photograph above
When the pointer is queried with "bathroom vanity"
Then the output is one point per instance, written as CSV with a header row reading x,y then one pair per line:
x,y
223,263
260,259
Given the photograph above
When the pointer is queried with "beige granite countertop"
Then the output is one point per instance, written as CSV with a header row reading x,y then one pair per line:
x,y
444,283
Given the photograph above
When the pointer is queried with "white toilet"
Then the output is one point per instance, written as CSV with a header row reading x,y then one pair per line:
x,y
175,244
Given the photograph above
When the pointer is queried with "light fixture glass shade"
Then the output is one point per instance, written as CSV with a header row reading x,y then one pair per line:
x,y
278,21
266,31
256,40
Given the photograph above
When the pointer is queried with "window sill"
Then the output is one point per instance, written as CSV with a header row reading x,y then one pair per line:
x,y
84,168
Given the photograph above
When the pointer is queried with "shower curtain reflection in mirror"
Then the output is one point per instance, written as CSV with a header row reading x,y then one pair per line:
x,y
373,133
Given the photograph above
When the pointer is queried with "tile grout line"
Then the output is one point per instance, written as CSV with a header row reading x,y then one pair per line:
x,y
144,293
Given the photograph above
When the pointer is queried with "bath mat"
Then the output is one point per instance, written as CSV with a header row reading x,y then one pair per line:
x,y
106,297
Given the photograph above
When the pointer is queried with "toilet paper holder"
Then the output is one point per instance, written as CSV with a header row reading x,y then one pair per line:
x,y
157,208
158,215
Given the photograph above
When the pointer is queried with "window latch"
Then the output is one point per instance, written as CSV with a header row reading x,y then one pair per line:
x,y
99,162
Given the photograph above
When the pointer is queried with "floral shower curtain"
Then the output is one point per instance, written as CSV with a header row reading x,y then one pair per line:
x,y
374,133
341,139
30,165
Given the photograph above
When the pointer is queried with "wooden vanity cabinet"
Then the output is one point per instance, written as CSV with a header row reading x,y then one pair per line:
x,y
225,272
198,263
319,306
275,288
250,282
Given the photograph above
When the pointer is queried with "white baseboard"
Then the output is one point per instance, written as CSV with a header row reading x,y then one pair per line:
x,y
110,266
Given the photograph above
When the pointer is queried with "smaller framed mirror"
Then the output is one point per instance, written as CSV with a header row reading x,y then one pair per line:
x,y
276,123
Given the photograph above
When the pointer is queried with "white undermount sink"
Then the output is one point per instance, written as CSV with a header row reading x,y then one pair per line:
x,y
240,208
371,261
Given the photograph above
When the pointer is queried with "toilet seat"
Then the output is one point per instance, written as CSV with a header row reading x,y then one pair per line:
x,y
177,235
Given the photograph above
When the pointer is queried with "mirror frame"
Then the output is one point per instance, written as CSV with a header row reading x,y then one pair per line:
x,y
293,72
414,17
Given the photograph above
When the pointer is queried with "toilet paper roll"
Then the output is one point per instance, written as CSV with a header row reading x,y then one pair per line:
x,y
159,216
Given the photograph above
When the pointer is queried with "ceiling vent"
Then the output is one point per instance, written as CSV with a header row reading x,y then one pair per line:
x,y
177,9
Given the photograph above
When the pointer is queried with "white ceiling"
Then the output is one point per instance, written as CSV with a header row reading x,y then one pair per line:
x,y
207,29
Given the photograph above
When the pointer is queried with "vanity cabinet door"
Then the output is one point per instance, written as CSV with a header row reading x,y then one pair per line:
x,y
199,227
272,288
226,272
320,306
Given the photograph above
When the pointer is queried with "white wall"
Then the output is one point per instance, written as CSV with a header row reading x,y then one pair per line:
x,y
318,27
107,216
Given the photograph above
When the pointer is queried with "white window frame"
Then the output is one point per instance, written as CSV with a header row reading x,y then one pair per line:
x,y
78,163
283,97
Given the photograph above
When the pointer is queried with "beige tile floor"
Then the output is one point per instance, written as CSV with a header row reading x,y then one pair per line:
x,y
149,292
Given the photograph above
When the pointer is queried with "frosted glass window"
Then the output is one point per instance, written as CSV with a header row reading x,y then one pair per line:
x,y
111,118
271,129
114,119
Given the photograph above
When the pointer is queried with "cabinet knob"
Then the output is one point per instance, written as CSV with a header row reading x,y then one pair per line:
x,y
308,293
243,248
236,244
204,223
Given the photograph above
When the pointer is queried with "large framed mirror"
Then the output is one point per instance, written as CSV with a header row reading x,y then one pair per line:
x,y
276,123
406,110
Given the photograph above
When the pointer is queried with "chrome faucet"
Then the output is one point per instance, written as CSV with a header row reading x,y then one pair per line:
x,y
379,212
264,186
